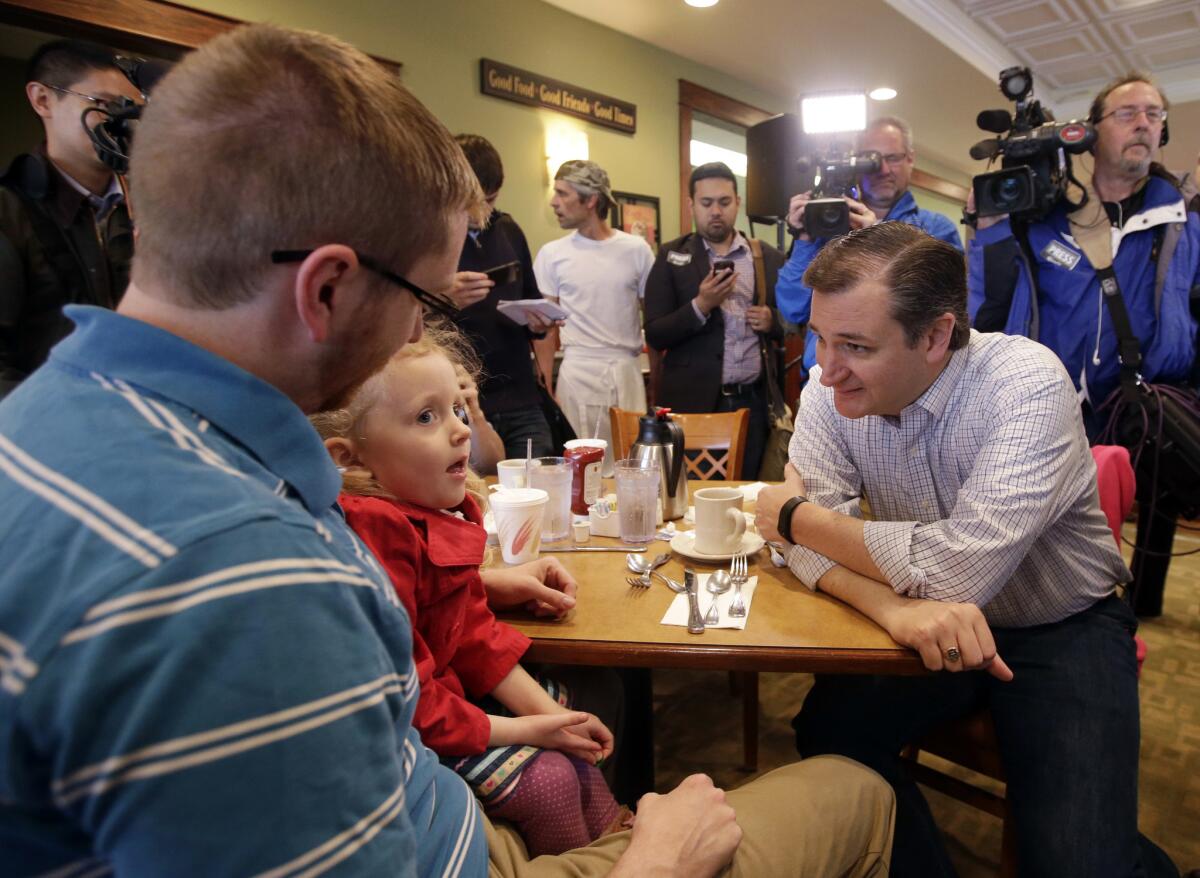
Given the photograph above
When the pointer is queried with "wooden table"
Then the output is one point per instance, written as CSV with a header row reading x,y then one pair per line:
x,y
789,628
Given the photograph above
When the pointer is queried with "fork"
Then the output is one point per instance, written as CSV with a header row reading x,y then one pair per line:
x,y
643,581
737,572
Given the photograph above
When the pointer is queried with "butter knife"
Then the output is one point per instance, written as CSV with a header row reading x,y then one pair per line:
x,y
546,549
695,622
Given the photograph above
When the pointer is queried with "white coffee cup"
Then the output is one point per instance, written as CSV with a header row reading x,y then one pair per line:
x,y
720,523
518,513
511,473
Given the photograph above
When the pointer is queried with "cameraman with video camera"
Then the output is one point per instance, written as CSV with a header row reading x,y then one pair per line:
x,y
65,232
885,196
1033,273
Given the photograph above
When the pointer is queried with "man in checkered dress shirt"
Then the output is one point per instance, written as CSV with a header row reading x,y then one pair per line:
x,y
988,554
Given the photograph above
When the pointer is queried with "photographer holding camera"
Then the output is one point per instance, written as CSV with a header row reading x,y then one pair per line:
x,y
65,232
885,196
1033,275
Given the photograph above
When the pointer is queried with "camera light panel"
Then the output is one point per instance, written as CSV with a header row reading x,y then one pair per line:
x,y
834,113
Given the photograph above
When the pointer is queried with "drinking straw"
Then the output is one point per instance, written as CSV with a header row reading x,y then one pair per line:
x,y
529,463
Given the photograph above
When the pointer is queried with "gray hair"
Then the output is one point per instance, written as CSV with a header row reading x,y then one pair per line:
x,y
896,122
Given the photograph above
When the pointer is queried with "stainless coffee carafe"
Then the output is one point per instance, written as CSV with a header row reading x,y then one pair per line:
x,y
660,440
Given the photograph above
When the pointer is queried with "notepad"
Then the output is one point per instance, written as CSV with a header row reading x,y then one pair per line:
x,y
518,310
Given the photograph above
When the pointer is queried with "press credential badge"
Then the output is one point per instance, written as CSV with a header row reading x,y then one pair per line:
x,y
1061,255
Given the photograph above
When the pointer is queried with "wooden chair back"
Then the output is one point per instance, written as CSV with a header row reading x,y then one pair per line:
x,y
714,444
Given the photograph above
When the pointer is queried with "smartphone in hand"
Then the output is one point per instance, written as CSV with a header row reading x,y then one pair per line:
x,y
508,273
723,265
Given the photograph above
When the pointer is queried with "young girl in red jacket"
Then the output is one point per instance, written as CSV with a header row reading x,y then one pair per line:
x,y
402,443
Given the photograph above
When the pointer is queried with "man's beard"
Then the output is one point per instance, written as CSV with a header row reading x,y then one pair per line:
x,y
1133,166
708,234
873,201
346,367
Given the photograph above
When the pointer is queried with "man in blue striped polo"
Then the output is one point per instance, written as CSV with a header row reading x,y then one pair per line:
x,y
202,672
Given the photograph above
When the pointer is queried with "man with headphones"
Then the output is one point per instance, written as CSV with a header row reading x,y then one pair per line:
x,y
65,232
1052,291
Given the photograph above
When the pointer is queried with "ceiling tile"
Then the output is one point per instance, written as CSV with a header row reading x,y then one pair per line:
x,y
1028,17
1163,22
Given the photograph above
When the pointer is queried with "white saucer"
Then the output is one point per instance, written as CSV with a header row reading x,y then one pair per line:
x,y
685,544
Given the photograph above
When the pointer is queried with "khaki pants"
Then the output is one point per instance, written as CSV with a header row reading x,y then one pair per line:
x,y
824,817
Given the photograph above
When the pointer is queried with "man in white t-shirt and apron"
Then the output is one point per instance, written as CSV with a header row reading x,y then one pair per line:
x,y
598,274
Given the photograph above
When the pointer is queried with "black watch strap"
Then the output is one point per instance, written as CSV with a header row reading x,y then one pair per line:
x,y
784,525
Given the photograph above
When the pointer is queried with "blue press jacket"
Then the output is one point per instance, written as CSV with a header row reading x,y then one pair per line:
x,y
794,299
1070,316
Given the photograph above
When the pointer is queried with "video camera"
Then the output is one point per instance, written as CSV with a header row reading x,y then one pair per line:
x,y
1035,166
837,176
112,135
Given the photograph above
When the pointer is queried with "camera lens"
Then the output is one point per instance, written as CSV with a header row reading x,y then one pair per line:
x,y
830,215
1006,192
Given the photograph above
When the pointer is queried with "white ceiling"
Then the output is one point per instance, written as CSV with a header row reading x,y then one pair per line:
x,y
942,56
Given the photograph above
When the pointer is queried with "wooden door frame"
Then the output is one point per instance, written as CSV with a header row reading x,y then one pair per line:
x,y
156,27
696,98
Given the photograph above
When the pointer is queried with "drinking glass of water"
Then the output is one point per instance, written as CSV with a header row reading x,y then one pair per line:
x,y
553,475
637,499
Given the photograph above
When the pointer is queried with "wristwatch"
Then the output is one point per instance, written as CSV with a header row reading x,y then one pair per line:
x,y
784,525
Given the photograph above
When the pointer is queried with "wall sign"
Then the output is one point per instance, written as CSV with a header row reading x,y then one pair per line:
x,y
514,84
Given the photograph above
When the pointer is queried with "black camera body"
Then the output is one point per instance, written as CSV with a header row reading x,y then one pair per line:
x,y
1035,164
112,135
837,176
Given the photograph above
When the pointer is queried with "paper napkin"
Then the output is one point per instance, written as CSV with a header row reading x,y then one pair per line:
x,y
677,613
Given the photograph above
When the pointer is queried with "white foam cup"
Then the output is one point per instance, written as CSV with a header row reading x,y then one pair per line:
x,y
518,513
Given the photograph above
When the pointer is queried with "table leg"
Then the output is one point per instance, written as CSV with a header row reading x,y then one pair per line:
x,y
635,769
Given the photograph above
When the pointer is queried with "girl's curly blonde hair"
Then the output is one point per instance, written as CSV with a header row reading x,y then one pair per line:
x,y
438,337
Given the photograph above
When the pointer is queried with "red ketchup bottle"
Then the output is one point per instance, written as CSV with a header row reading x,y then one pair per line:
x,y
585,461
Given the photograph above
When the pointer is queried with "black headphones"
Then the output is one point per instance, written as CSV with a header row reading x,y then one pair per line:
x,y
110,137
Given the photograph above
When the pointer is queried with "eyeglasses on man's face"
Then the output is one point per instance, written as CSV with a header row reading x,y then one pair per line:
x,y
102,104
894,158
1125,115
431,301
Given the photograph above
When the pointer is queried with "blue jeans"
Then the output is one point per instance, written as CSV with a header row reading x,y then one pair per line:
x,y
1068,731
516,427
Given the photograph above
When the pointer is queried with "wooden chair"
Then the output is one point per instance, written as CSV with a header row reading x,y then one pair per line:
x,y
714,447
714,444
971,741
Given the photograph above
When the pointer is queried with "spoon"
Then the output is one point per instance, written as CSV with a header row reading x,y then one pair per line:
x,y
643,567
718,583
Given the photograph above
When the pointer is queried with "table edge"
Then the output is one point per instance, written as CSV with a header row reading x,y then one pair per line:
x,y
725,658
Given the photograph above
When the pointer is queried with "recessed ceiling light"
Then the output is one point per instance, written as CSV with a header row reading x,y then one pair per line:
x,y
882,94
700,4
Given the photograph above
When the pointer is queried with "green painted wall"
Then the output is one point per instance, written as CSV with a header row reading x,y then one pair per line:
x,y
440,46
941,204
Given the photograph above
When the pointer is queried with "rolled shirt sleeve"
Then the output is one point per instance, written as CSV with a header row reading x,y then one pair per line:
x,y
831,477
